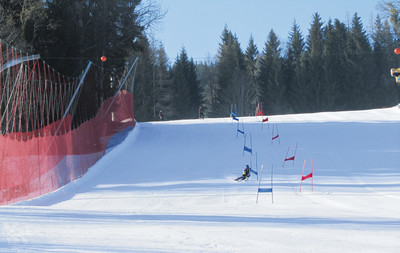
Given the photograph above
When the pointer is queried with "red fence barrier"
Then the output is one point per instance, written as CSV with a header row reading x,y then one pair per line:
x,y
37,162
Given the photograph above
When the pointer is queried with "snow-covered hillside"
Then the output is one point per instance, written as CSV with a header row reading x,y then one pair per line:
x,y
169,188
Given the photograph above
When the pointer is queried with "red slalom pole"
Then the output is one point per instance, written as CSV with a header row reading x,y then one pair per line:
x,y
312,173
294,156
286,156
302,173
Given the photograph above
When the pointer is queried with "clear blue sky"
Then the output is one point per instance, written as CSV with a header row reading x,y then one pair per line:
x,y
197,25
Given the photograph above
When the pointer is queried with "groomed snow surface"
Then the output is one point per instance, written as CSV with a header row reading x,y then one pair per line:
x,y
169,187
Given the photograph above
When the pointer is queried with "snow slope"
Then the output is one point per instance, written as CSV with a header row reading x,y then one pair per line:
x,y
169,188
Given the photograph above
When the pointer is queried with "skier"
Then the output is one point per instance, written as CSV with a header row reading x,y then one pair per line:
x,y
246,174
201,113
160,116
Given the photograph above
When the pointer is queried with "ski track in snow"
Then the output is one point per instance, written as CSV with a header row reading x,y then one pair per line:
x,y
168,187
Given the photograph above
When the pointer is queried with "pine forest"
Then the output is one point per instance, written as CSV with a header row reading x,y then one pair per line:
x,y
334,66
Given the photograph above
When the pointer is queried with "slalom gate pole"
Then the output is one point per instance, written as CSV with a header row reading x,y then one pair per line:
x,y
245,148
237,130
251,166
272,134
312,172
272,187
294,156
259,182
283,165
251,145
276,136
257,165
262,112
290,158
279,138
302,173
244,143
262,122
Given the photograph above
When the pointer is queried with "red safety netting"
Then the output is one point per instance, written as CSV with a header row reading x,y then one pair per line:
x,y
53,130
31,166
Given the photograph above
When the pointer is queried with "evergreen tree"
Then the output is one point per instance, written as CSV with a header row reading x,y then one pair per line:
x,y
360,83
230,71
186,87
68,33
296,44
295,49
90,29
251,58
334,65
163,90
195,90
143,96
315,46
336,68
207,74
302,86
384,59
392,9
271,78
